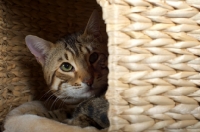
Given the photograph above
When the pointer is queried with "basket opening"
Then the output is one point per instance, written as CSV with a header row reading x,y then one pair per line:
x,y
22,77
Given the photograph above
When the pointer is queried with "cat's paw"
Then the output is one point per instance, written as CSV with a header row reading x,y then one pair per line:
x,y
33,107
29,108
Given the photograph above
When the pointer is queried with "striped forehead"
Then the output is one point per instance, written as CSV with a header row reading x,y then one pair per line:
x,y
73,45
83,52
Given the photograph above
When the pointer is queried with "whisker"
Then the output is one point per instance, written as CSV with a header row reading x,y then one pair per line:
x,y
61,104
57,98
45,94
50,97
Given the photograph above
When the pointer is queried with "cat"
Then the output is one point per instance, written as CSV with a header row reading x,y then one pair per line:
x,y
75,69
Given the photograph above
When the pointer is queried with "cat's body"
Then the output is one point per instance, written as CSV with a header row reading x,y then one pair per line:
x,y
75,69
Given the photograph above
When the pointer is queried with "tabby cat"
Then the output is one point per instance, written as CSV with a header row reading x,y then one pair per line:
x,y
75,69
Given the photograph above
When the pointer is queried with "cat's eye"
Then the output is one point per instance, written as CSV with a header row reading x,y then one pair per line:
x,y
66,67
93,57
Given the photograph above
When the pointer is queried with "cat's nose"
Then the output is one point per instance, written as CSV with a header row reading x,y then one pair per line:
x,y
89,82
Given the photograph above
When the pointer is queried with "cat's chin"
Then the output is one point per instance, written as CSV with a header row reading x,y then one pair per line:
x,y
90,92
78,99
72,101
94,92
71,94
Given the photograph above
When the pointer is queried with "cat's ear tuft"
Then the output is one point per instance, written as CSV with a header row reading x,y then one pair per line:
x,y
38,47
93,25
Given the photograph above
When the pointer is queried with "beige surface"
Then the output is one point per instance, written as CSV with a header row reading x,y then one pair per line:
x,y
154,64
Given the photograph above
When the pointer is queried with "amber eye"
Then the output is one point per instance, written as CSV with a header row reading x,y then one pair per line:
x,y
66,67
93,57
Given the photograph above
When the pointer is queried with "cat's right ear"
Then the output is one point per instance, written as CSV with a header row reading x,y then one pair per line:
x,y
93,25
38,47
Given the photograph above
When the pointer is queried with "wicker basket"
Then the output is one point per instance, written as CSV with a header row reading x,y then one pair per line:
x,y
153,45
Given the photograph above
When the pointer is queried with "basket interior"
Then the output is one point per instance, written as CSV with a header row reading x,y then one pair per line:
x,y
21,77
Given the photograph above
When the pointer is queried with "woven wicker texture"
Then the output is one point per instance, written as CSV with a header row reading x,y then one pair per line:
x,y
154,65
20,75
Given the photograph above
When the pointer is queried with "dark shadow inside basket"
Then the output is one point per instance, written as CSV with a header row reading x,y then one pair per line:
x,y
22,77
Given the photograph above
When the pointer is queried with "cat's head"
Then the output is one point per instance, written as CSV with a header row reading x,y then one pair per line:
x,y
75,67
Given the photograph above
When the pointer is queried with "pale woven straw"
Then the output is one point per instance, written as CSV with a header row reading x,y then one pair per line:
x,y
154,65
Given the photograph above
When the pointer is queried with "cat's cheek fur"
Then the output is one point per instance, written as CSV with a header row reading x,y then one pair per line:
x,y
55,84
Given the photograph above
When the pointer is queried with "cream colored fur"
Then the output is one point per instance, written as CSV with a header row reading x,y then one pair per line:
x,y
22,119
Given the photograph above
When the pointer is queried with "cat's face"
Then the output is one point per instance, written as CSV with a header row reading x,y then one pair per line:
x,y
75,67
76,70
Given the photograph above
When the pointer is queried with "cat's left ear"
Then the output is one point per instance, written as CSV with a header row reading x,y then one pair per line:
x,y
93,25
38,47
